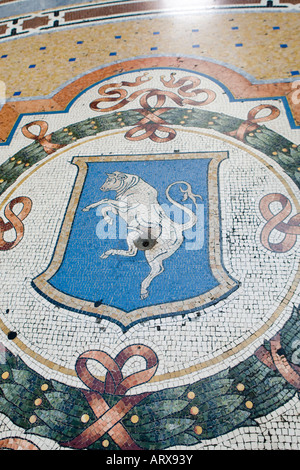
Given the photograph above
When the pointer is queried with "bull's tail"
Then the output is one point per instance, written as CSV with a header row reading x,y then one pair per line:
x,y
187,194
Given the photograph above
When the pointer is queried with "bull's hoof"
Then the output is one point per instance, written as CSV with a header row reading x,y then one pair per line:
x,y
106,254
144,294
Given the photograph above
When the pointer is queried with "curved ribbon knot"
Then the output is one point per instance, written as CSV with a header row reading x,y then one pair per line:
x,y
275,222
42,138
108,419
152,122
149,125
251,123
15,221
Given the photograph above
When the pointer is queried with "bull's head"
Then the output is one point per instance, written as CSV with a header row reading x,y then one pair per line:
x,y
114,181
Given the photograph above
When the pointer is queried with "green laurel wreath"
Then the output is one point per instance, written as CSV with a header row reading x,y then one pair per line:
x,y
280,149
183,415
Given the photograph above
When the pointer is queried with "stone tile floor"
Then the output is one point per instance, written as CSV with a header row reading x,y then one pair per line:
x,y
163,314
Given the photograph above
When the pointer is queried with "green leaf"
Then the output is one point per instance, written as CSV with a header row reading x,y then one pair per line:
x,y
295,154
65,402
272,402
264,137
220,407
156,411
27,379
286,159
14,413
57,420
164,428
60,387
208,389
297,176
168,394
253,141
184,439
19,396
223,426
45,431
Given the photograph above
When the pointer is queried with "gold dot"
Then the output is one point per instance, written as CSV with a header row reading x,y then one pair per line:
x,y
294,146
5,375
298,169
240,387
249,404
215,117
185,117
211,123
66,129
119,119
122,124
95,127
105,443
189,110
27,164
12,159
85,418
274,153
198,430
32,419
38,402
44,387
194,410
93,122
1,180
74,138
18,162
258,130
70,133
182,122
284,150
134,419
191,395
119,114
251,134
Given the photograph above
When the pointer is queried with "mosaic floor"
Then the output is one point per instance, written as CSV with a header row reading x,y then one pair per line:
x,y
150,225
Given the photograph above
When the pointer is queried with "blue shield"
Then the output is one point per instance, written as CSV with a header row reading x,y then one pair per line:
x,y
102,264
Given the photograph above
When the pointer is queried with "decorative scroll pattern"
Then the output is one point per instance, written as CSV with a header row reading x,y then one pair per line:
x,y
42,138
276,222
115,384
152,121
251,123
14,222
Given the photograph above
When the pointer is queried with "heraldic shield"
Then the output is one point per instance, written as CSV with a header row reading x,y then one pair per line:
x,y
141,238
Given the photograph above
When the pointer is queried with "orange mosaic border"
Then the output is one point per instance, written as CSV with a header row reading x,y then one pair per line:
x,y
239,86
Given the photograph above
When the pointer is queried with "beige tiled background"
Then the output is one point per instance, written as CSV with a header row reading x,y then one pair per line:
x,y
215,37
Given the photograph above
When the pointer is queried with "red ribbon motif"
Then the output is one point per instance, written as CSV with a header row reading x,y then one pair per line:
x,y
152,123
251,123
14,222
275,222
42,138
276,360
108,419
17,443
